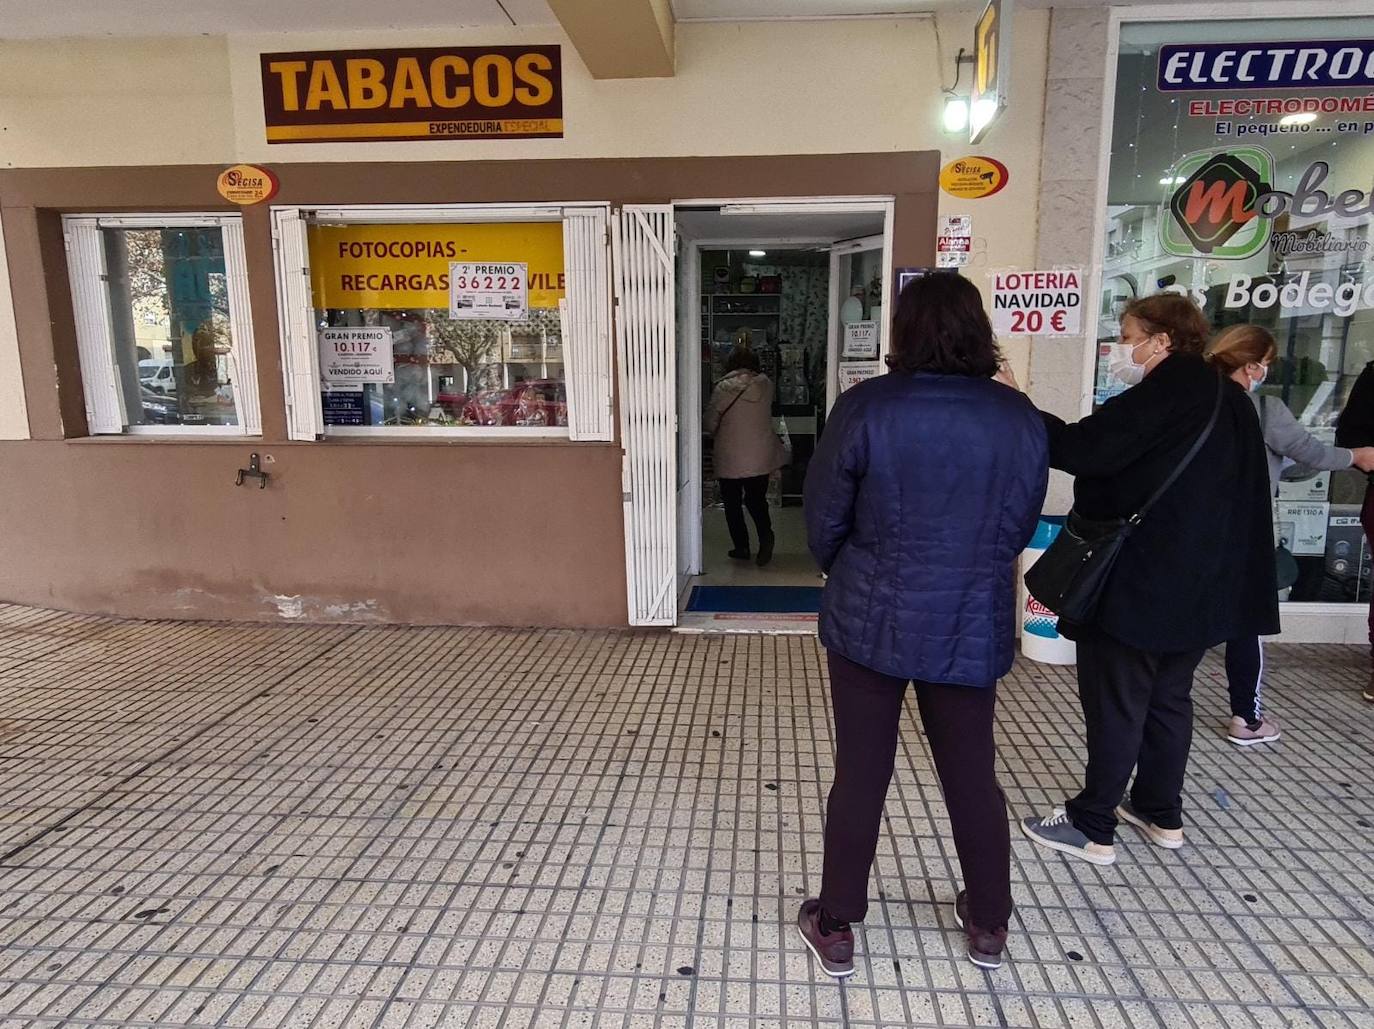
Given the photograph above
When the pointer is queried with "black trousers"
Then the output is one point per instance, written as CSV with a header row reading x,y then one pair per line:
x,y
1138,706
736,495
958,724
1245,677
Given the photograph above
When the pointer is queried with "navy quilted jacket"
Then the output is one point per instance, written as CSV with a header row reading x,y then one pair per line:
x,y
921,494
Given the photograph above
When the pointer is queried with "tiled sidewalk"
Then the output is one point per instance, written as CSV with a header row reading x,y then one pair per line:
x,y
234,825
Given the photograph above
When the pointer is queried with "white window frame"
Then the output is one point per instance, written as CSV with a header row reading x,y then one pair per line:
x,y
88,274
585,316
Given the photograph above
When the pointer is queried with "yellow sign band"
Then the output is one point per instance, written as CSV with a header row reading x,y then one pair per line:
x,y
468,129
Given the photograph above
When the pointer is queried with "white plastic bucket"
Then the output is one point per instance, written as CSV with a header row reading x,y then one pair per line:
x,y
1040,639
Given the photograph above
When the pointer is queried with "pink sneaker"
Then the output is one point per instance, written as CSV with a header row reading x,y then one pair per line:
x,y
835,951
1240,733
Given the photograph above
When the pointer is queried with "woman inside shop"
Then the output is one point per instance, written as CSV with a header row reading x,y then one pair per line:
x,y
1196,571
925,487
746,450
1245,352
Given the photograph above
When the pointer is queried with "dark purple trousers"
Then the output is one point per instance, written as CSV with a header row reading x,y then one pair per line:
x,y
958,725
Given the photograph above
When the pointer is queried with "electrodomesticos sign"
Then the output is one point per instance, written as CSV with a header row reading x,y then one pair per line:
x,y
972,178
406,267
1327,64
498,92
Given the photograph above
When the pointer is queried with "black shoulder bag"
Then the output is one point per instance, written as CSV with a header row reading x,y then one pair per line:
x,y
1070,577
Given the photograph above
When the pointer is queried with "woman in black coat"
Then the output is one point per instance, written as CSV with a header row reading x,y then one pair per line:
x,y
1197,571
1355,428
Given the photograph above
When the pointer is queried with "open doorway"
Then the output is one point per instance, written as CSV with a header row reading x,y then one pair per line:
x,y
799,290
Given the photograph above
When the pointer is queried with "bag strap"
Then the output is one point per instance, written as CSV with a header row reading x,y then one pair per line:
x,y
1262,413
738,396
1187,460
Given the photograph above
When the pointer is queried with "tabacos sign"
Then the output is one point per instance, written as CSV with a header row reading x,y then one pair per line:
x,y
1224,203
496,92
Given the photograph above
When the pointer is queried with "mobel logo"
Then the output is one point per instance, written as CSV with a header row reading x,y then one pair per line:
x,y
1217,206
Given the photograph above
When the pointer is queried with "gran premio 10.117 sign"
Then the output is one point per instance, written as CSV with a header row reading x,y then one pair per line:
x,y
495,92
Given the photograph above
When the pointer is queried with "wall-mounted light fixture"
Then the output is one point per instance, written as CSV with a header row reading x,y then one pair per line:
x,y
957,104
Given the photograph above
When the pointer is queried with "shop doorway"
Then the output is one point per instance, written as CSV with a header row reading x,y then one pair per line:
x,y
800,288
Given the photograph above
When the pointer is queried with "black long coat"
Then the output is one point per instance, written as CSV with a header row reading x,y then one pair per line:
x,y
1199,570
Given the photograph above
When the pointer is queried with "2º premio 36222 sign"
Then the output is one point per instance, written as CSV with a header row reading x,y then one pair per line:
x,y
493,92
1038,303
498,291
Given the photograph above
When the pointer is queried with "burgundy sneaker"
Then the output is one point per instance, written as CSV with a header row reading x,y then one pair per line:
x,y
836,951
984,946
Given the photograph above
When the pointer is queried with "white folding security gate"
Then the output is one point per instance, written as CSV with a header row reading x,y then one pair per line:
x,y
645,298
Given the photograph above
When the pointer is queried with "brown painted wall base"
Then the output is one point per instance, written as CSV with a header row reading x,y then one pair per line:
x,y
470,532
427,534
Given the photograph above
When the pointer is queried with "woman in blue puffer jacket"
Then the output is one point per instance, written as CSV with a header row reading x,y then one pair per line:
x,y
925,487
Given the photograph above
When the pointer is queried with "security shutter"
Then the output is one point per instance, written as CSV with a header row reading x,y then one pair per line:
x,y
296,312
587,325
644,274
94,337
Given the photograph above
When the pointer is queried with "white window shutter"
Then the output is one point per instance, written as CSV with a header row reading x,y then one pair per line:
x,y
587,326
645,331
296,313
241,353
94,336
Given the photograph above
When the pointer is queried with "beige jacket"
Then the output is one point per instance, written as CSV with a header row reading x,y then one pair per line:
x,y
740,415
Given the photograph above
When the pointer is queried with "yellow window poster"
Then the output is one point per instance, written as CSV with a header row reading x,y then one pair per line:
x,y
406,267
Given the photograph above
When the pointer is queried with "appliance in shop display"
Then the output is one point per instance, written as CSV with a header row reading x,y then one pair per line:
x,y
1347,557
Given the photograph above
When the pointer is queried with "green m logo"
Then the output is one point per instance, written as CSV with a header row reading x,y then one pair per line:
x,y
1214,209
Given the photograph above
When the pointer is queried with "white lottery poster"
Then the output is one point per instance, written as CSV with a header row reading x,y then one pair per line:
x,y
488,291
352,356
853,373
861,340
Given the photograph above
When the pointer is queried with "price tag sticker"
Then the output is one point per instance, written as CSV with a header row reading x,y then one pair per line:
x,y
1038,303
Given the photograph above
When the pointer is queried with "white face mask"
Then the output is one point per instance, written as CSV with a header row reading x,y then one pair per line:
x,y
1123,365
1257,383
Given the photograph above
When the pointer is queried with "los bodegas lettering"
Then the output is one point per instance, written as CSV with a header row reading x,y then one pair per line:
x,y
500,92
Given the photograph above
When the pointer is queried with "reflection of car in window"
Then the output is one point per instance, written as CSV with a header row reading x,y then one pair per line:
x,y
158,409
541,402
157,376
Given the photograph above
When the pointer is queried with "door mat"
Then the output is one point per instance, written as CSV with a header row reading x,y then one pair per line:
x,y
756,599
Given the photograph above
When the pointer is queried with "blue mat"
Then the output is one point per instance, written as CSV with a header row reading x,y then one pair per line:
x,y
756,599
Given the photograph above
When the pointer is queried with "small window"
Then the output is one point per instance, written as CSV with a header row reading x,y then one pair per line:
x,y
446,322
163,325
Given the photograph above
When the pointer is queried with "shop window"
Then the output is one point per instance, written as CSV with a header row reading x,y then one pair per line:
x,y
1243,179
163,326
447,322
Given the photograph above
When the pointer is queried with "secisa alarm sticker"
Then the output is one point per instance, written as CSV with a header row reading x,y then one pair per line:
x,y
972,178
